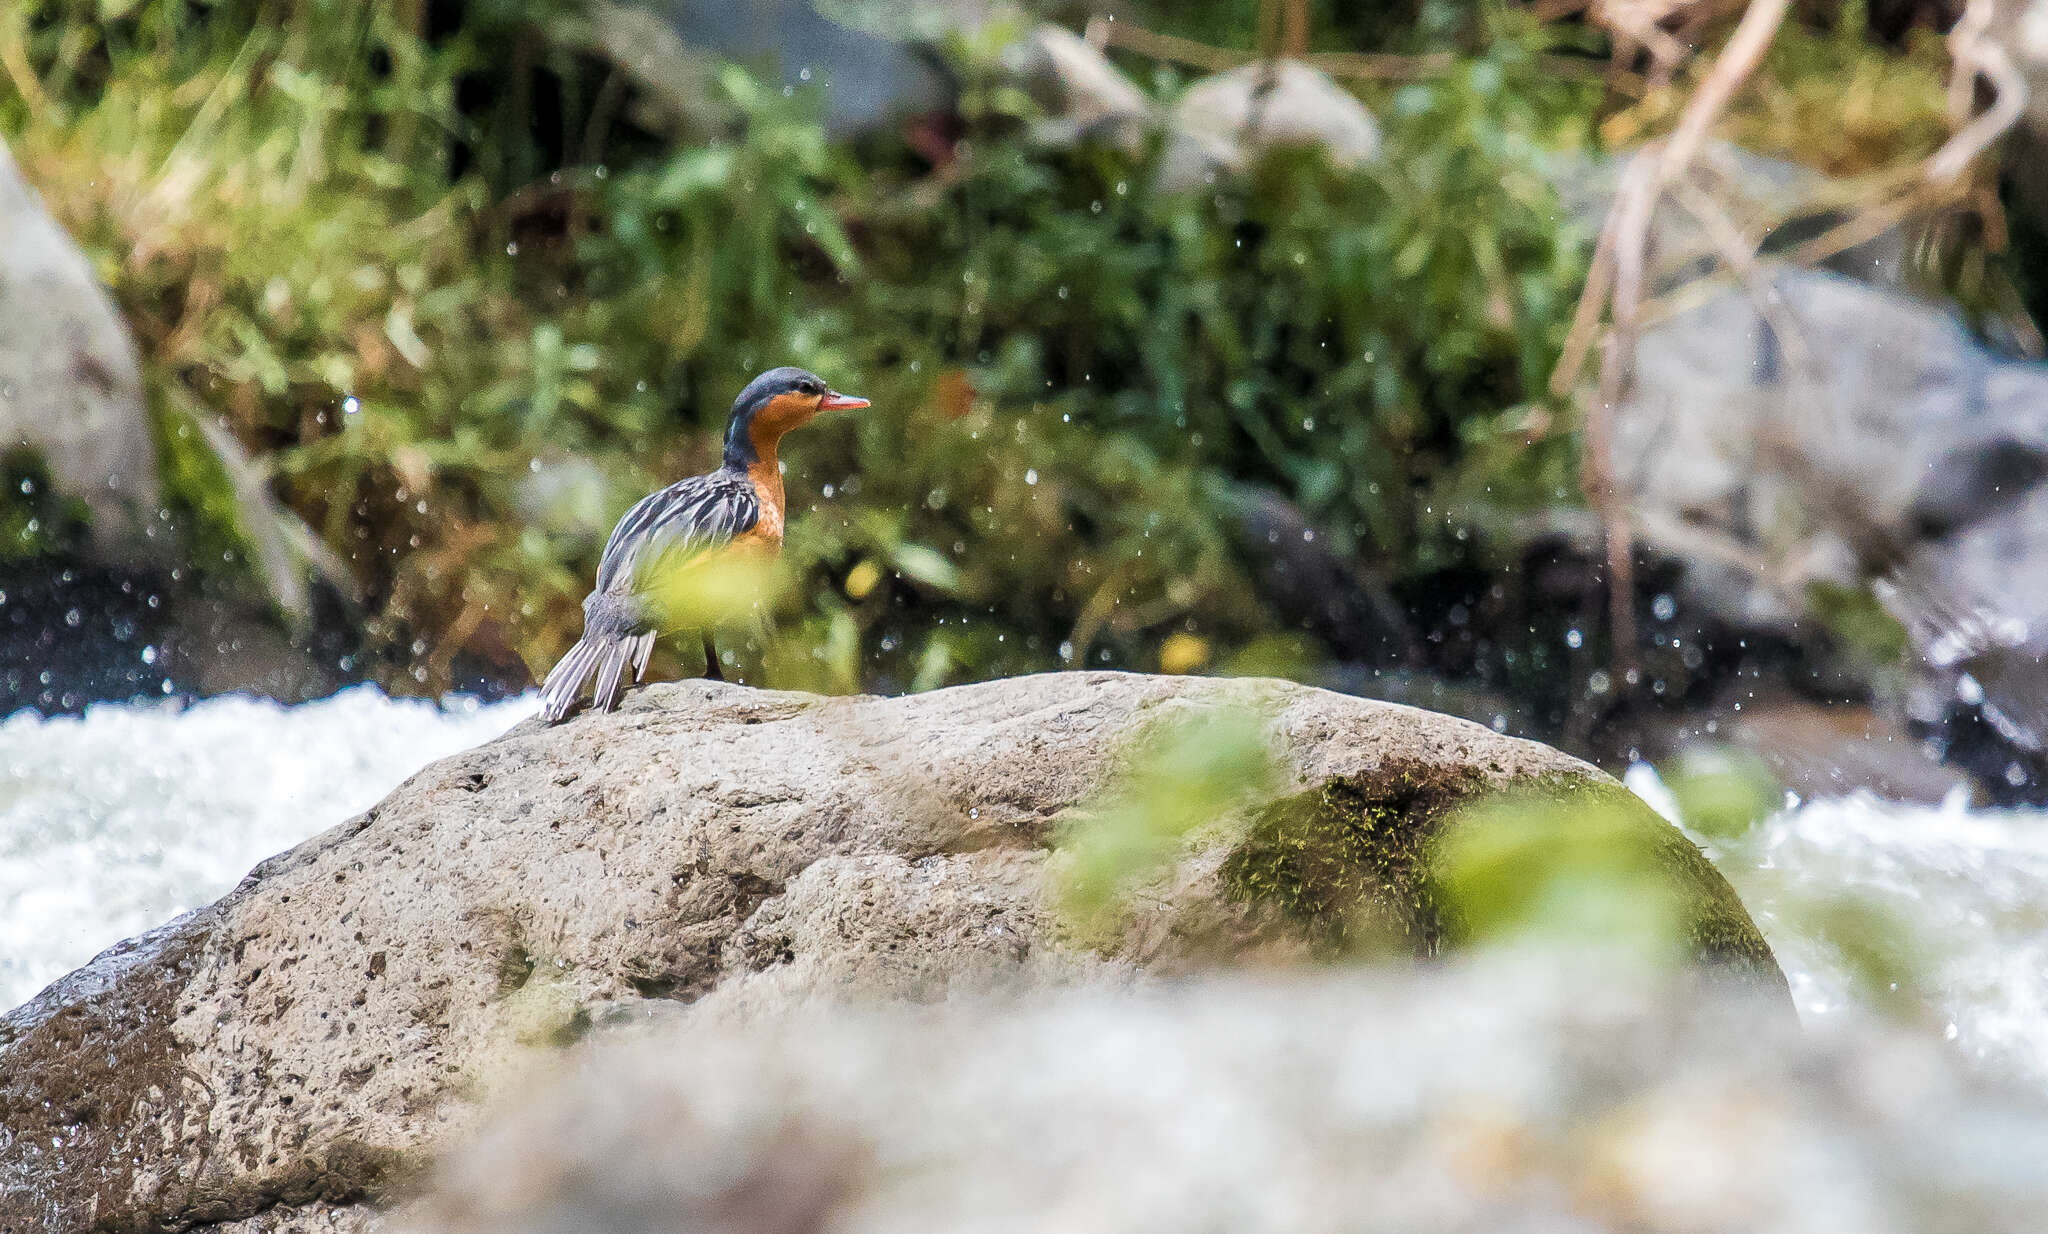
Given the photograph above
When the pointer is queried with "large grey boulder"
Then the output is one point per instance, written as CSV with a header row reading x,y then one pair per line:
x,y
1483,1098
1839,433
313,1036
70,381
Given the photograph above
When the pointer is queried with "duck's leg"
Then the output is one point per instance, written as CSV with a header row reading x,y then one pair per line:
x,y
712,672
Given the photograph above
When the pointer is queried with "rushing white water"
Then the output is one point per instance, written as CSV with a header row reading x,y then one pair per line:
x,y
1962,893
119,820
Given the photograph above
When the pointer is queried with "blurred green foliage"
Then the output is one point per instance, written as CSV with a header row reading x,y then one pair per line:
x,y
1722,791
424,261
1578,869
333,227
1187,773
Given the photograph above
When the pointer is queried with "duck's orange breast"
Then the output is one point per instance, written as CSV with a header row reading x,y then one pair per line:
x,y
766,533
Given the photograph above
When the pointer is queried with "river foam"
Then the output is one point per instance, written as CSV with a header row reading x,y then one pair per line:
x,y
120,819
1957,899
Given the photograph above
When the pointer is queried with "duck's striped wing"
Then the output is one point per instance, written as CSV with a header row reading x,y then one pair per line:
x,y
684,520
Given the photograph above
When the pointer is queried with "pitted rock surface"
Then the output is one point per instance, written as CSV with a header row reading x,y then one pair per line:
x,y
288,1057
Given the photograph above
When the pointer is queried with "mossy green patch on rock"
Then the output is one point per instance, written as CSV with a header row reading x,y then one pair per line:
x,y
1417,857
1348,861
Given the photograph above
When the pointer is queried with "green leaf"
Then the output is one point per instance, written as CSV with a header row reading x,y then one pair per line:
x,y
927,566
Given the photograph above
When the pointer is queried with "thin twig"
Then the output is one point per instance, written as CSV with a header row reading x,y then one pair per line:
x,y
1128,36
1634,208
1269,29
1867,225
1616,283
15,60
1578,343
1737,61
1294,28
2008,104
1745,49
1109,32
1963,40
1374,66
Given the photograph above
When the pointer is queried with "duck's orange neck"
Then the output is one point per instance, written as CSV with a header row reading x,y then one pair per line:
x,y
750,445
766,473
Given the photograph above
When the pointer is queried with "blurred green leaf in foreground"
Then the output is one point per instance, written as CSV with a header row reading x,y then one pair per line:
x,y
1185,774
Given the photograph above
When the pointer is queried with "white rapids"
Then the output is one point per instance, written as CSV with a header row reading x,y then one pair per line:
x,y
1966,889
119,820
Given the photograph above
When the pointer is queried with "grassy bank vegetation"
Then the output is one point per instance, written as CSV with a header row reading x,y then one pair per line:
x,y
467,290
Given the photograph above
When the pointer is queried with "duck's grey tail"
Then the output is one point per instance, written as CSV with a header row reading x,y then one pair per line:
x,y
605,656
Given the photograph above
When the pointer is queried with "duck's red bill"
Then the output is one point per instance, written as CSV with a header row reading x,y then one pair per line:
x,y
835,401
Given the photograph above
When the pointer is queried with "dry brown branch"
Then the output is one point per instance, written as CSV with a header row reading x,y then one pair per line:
x,y
1745,49
1372,66
1963,39
1269,29
1938,183
1108,32
1738,60
1634,208
14,58
1975,57
1867,225
1586,317
1615,286
1294,28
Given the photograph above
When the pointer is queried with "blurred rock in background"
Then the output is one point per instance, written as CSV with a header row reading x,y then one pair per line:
x,y
1478,1097
71,386
99,598
1851,434
1224,123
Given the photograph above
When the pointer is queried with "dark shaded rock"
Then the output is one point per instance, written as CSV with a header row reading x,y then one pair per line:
x,y
1315,589
867,63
